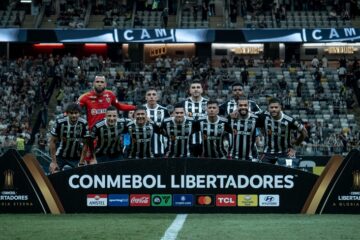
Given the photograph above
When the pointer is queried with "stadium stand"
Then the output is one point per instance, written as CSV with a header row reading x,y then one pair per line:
x,y
24,85
319,95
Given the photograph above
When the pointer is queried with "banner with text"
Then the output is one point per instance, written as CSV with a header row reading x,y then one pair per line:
x,y
183,185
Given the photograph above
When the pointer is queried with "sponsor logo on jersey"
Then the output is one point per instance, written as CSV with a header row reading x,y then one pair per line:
x,y
97,111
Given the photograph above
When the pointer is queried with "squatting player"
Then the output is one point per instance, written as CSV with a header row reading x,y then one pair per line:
x,y
69,133
108,133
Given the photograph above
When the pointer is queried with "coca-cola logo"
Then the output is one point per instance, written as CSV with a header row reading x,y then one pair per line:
x,y
139,200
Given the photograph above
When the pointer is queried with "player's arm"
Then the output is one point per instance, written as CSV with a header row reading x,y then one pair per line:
x,y
54,167
85,134
300,128
254,107
222,109
121,106
90,144
159,129
82,100
195,126
302,135
83,153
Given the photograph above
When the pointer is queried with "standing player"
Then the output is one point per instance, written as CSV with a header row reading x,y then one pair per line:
x,y
108,133
237,91
97,101
157,114
195,107
278,128
244,132
213,129
70,131
178,129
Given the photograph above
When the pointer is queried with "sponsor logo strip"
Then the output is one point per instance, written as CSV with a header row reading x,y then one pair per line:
x,y
96,200
118,200
205,200
161,200
269,200
226,200
247,200
139,200
183,200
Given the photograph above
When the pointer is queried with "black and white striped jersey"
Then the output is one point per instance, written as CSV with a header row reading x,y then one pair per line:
x,y
179,136
213,135
195,110
243,137
70,136
157,115
141,139
109,138
231,105
277,133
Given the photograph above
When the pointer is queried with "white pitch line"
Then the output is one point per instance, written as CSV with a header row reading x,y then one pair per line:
x,y
172,232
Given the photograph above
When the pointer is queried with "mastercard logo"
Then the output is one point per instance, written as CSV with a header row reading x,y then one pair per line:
x,y
204,200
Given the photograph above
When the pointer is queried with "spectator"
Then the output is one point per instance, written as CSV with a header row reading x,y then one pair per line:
x,y
165,17
212,7
315,62
324,61
204,11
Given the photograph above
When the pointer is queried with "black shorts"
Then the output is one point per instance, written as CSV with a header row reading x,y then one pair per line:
x,y
66,163
196,150
272,157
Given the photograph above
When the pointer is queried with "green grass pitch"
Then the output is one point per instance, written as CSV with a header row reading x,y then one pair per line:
x,y
196,226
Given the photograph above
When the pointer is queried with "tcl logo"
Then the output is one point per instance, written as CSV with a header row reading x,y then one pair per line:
x,y
226,200
140,200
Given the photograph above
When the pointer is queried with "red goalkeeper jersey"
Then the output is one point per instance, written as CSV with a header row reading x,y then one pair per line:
x,y
96,105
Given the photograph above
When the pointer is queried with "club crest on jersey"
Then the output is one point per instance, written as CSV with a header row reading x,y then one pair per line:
x,y
159,113
108,100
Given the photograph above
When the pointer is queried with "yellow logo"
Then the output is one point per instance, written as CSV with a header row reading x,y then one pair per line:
x,y
9,179
356,180
247,200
